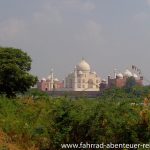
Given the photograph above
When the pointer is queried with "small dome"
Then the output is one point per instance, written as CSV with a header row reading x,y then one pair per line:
x,y
120,75
135,75
80,72
93,72
103,80
43,79
83,66
127,73
56,80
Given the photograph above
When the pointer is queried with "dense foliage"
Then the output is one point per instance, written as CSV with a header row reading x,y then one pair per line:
x,y
44,123
14,71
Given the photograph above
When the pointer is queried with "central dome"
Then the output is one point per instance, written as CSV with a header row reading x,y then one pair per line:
x,y
83,66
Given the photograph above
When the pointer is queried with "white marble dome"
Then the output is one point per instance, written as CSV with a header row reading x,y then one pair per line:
x,y
56,80
43,79
103,80
127,73
94,72
135,75
120,75
83,66
80,72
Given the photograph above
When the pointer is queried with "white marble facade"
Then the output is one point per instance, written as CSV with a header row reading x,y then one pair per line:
x,y
82,78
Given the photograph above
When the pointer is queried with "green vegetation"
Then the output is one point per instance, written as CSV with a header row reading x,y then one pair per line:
x,y
44,123
14,71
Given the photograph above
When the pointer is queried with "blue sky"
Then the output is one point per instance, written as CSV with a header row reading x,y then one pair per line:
x,y
58,33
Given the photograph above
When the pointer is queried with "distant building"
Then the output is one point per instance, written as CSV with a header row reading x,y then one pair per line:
x,y
50,83
82,79
120,80
103,85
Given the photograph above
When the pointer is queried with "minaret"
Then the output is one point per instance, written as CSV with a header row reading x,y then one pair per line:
x,y
115,74
49,83
52,80
75,78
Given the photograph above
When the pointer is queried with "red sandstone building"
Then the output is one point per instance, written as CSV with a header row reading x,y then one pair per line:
x,y
120,80
50,83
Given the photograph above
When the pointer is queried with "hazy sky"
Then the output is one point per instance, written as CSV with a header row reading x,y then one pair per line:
x,y
58,33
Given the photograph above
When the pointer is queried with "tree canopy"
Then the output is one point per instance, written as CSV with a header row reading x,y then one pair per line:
x,y
15,65
130,82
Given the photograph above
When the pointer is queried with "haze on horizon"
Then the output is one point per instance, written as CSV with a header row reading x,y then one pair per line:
x,y
58,33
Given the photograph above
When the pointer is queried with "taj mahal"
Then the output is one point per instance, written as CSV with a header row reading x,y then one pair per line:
x,y
81,79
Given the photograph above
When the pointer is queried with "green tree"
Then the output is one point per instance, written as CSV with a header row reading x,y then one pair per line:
x,y
130,83
15,65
